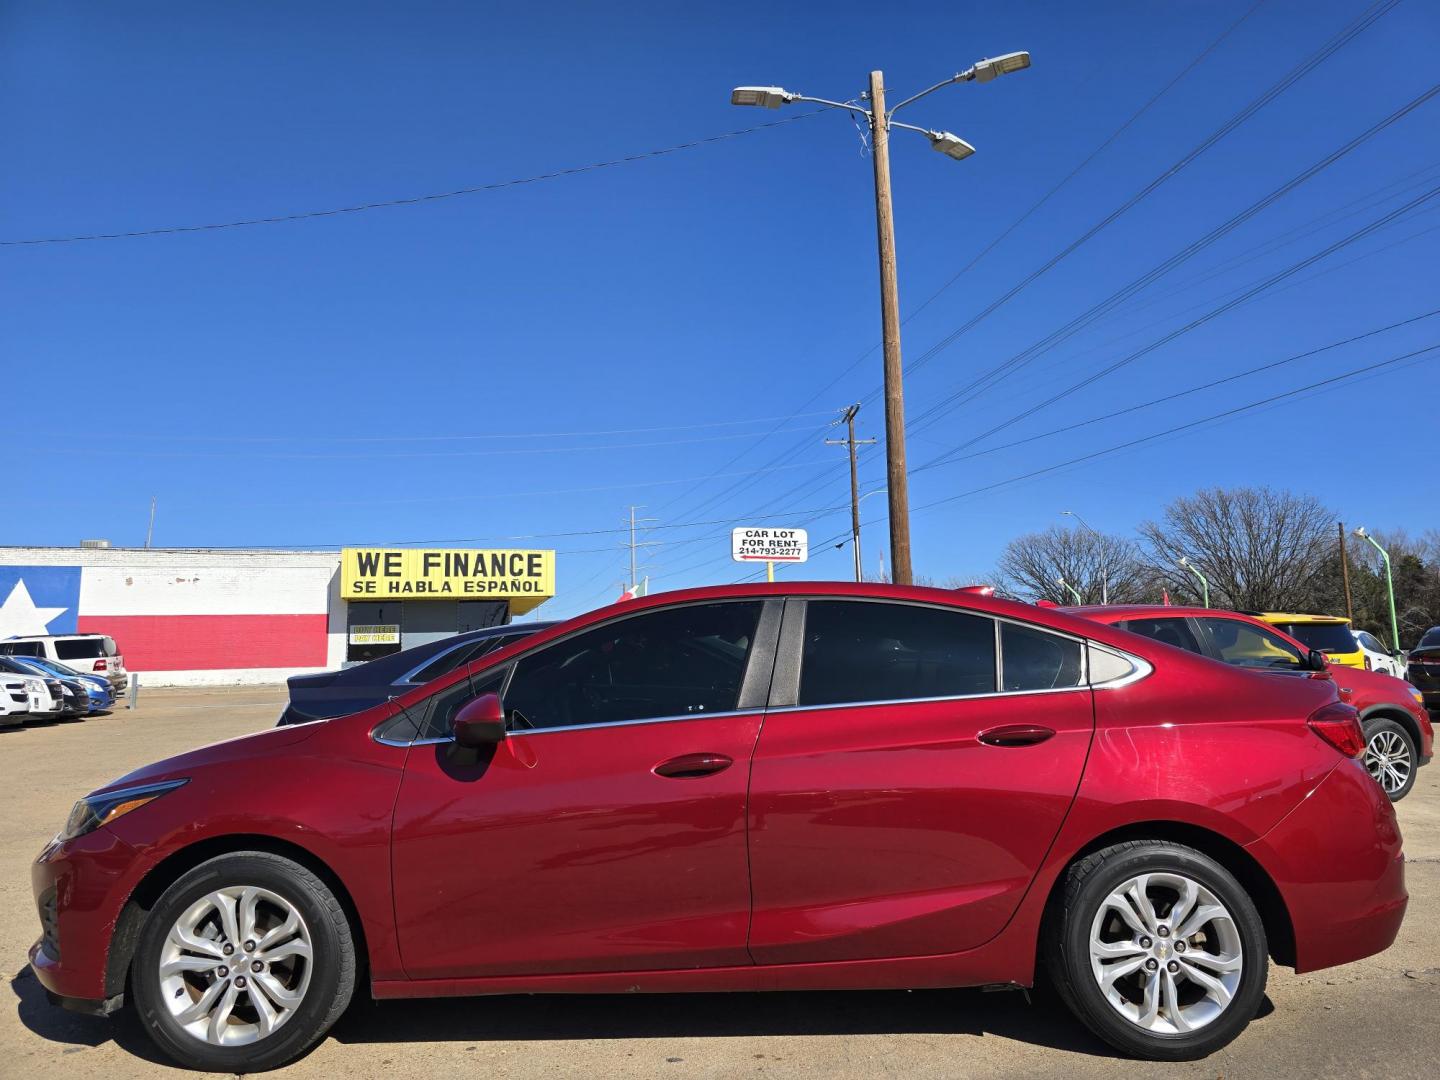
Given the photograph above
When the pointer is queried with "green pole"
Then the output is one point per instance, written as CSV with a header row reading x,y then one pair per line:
x,y
1204,584
1073,591
1389,585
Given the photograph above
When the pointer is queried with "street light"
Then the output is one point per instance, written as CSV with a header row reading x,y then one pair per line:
x,y
952,146
1204,584
1389,584
1073,591
1104,568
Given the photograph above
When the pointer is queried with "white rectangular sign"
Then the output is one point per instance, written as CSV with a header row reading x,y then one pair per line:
x,y
375,634
769,545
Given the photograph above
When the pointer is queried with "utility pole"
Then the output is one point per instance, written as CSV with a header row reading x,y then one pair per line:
x,y
897,479
150,529
1345,576
851,442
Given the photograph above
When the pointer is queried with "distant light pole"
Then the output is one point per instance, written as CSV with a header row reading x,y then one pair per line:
x,y
1104,568
855,535
1389,584
952,146
1204,584
1073,592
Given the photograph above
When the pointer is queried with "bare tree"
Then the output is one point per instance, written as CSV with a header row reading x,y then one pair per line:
x,y
1260,549
1034,565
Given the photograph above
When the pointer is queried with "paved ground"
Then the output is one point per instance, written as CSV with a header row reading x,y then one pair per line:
x,y
1377,1018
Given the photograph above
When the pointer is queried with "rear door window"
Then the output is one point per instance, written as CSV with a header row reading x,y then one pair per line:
x,y
1243,644
1032,659
857,651
1173,631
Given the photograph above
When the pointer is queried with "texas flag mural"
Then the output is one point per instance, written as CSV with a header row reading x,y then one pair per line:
x,y
204,618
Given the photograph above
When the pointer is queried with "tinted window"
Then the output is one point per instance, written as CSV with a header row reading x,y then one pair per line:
x,y
1175,631
859,651
1246,645
684,661
450,659
1432,637
21,648
1035,660
1327,637
79,648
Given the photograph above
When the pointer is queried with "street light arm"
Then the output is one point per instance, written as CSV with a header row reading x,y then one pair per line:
x,y
964,76
932,135
831,104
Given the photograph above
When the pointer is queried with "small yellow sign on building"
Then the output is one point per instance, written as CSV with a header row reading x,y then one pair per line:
x,y
525,578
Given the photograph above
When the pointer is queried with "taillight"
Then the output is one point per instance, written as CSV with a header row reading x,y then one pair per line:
x,y
1339,725
99,666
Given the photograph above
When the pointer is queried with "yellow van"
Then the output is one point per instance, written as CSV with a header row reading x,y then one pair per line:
x,y
1330,634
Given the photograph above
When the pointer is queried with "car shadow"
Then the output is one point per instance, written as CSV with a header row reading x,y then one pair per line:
x,y
1043,1021
1038,1019
76,1030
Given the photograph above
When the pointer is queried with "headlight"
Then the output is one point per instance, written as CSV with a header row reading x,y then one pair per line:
x,y
35,686
1418,696
95,810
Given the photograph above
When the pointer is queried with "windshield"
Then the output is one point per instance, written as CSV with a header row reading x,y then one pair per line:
x,y
1327,637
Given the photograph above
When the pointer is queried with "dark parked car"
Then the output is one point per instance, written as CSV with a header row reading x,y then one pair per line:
x,y
339,693
1425,667
795,786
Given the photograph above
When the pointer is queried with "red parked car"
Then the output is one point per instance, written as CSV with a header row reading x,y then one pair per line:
x,y
1399,737
797,786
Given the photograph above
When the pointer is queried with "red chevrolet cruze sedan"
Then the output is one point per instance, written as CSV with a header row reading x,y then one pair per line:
x,y
744,788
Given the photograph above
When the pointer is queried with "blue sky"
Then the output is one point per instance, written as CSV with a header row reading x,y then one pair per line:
x,y
288,384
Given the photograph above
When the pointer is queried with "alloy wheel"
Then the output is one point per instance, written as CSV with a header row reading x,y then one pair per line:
x,y
1388,758
235,965
1166,953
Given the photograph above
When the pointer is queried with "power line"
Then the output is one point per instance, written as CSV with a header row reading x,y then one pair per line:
x,y
1214,313
1155,273
1314,60
412,200
1176,395
167,436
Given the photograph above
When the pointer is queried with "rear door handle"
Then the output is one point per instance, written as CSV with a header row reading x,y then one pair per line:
x,y
1016,735
688,766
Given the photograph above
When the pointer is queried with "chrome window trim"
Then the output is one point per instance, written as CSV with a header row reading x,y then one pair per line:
x,y
437,740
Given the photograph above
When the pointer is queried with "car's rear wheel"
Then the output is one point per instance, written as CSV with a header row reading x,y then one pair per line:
x,y
1390,757
1158,950
243,964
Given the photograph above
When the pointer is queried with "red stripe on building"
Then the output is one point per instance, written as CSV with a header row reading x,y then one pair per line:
x,y
200,642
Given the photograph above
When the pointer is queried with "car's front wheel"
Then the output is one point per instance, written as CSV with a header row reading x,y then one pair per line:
x,y
1390,757
1158,950
243,964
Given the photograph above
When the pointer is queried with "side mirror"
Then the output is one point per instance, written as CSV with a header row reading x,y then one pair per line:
x,y
1316,660
480,722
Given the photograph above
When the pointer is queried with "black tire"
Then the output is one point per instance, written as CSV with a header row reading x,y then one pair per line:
x,y
332,977
1394,736
1087,884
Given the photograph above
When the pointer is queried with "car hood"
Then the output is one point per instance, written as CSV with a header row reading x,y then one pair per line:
x,y
182,765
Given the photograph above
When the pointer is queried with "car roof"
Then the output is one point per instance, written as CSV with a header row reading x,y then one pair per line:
x,y
1122,612
51,637
1298,617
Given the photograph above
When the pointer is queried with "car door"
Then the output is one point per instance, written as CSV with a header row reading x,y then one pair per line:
x,y
607,831
915,765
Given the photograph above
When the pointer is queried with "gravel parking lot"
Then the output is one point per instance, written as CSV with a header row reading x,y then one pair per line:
x,y
1376,1018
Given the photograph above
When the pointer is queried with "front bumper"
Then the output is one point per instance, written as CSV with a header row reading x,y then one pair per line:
x,y
1337,861
80,890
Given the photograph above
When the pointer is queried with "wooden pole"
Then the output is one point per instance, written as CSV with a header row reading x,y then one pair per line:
x,y
900,571
1345,576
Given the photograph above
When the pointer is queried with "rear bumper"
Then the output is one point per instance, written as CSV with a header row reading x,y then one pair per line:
x,y
1337,862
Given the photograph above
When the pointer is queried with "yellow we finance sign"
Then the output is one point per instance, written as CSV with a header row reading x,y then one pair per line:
x,y
526,578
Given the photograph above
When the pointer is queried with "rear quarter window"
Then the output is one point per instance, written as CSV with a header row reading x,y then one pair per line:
x,y
82,648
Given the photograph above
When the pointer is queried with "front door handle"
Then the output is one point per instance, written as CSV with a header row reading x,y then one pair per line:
x,y
1016,735
688,766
